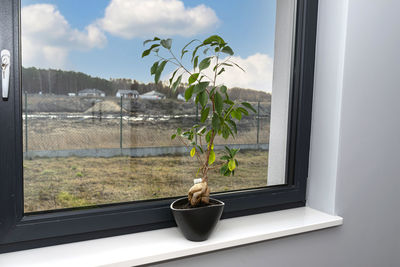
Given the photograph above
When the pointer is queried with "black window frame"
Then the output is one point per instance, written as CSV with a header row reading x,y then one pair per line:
x,y
20,231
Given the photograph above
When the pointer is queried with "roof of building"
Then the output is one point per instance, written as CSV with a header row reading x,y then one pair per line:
x,y
153,93
122,91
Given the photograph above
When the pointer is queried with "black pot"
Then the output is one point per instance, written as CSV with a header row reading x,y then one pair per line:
x,y
196,224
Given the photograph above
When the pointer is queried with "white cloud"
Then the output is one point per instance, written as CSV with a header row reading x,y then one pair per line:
x,y
47,37
257,75
138,18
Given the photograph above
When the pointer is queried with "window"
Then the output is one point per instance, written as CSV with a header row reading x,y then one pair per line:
x,y
51,113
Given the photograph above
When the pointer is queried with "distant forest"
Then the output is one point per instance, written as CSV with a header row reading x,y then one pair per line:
x,y
60,82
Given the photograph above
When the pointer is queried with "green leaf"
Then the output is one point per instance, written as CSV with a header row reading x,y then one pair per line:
x,y
208,136
219,104
176,83
243,111
173,136
159,70
237,66
172,78
196,60
231,164
202,130
234,151
249,106
227,101
225,132
192,152
167,43
154,68
151,40
236,114
189,93
225,157
227,50
204,114
229,130
193,78
195,50
154,46
227,64
224,169
146,53
216,123
228,150
211,159
212,92
223,89
184,52
183,49
233,124
214,38
200,149
205,63
203,99
200,87
221,71
179,131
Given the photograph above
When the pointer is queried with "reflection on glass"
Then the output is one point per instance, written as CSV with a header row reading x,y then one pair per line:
x,y
97,130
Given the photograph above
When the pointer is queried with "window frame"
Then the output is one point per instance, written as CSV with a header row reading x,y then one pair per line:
x,y
20,231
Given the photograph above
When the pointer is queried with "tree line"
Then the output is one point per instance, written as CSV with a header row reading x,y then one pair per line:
x,y
60,82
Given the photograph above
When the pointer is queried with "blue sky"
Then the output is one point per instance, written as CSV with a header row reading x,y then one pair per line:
x,y
248,26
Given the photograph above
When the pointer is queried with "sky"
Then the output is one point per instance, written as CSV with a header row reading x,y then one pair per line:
x,y
104,38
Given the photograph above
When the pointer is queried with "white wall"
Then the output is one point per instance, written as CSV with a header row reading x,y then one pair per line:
x,y
355,146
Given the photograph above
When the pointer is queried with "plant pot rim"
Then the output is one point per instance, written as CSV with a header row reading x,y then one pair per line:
x,y
220,203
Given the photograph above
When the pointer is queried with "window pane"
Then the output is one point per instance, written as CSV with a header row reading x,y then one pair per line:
x,y
97,129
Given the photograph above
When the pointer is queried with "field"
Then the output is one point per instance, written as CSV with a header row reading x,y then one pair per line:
x,y
75,123
54,183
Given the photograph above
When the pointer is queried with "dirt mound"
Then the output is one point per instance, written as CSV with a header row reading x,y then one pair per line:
x,y
105,107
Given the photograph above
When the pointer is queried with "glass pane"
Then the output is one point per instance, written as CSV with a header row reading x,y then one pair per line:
x,y
97,129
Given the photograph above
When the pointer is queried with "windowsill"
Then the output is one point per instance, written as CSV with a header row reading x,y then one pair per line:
x,y
165,244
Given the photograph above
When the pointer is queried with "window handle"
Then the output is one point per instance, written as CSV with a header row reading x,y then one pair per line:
x,y
5,72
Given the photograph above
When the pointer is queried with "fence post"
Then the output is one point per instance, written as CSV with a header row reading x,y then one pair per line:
x,y
26,124
197,120
100,111
258,123
120,126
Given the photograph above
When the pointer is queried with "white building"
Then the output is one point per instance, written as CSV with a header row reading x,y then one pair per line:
x,y
180,97
127,94
153,95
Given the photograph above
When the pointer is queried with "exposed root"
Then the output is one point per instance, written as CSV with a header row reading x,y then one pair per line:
x,y
199,193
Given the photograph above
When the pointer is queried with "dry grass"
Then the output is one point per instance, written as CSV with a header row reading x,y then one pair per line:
x,y
54,183
62,134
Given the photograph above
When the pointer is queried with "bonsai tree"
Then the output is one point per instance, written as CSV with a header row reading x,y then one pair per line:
x,y
219,113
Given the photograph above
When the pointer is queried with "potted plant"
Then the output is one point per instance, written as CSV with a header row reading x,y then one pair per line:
x,y
197,214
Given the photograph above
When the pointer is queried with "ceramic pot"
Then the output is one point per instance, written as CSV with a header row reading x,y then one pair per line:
x,y
197,224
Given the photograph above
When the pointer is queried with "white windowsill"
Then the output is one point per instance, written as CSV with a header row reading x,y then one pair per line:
x,y
165,244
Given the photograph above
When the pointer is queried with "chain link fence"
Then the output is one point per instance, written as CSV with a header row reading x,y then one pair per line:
x,y
83,125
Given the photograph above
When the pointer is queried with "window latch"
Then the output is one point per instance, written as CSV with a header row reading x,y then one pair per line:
x,y
5,72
